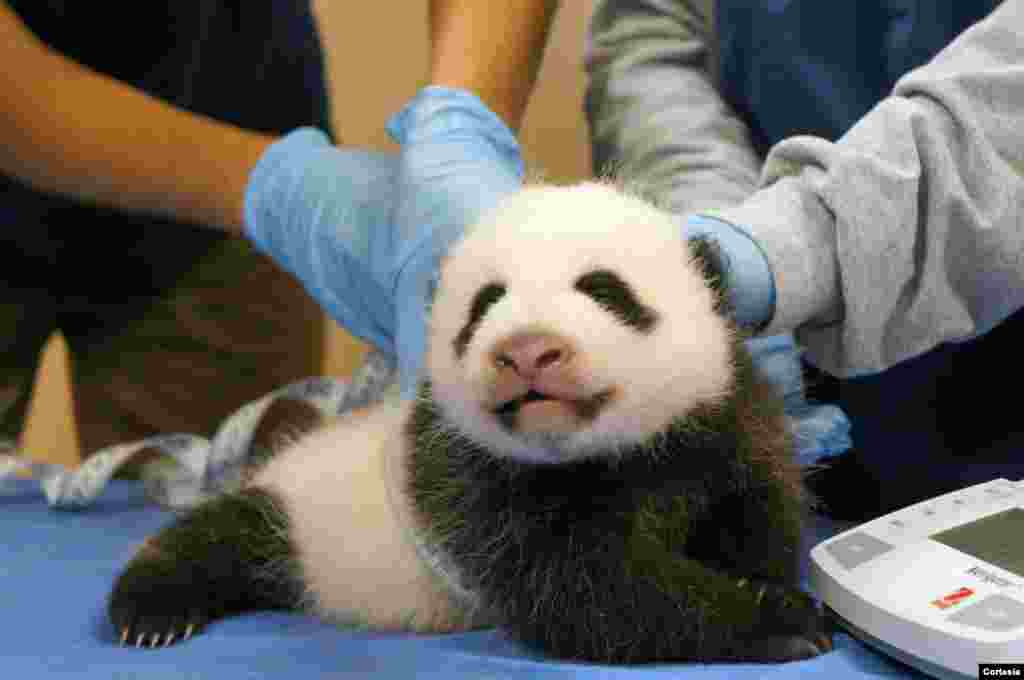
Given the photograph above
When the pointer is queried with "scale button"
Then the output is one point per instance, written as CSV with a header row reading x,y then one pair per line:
x,y
857,548
997,613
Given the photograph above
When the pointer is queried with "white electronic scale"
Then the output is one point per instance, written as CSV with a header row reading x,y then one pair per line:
x,y
938,585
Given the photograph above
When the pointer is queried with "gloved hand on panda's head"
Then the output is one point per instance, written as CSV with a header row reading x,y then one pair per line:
x,y
458,160
364,231
323,213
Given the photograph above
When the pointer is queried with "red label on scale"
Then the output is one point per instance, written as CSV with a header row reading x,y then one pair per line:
x,y
953,598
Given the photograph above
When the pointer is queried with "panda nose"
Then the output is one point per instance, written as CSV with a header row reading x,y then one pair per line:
x,y
531,354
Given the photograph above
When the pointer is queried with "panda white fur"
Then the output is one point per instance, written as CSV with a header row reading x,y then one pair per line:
x,y
592,463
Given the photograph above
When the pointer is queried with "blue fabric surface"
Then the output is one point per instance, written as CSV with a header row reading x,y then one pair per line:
x,y
57,568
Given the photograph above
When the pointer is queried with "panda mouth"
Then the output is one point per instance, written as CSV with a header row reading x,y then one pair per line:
x,y
512,406
581,410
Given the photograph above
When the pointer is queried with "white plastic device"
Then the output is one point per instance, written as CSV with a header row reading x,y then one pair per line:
x,y
938,585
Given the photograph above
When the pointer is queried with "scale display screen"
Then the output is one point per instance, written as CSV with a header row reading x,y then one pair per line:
x,y
994,539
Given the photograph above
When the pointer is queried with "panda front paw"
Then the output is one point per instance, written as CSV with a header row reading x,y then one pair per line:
x,y
793,626
789,648
156,604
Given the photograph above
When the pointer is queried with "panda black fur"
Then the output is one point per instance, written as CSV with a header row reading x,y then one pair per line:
x,y
593,463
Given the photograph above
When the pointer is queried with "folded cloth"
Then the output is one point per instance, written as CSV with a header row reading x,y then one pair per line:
x,y
201,467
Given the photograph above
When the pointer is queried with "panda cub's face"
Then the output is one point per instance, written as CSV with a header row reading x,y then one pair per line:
x,y
571,322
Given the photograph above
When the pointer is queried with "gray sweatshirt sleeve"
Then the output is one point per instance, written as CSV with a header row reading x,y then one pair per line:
x,y
656,118
909,230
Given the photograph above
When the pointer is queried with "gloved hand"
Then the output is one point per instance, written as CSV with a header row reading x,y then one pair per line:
x,y
458,160
819,430
749,284
324,214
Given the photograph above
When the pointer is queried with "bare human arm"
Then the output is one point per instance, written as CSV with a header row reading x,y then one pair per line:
x,y
70,130
492,49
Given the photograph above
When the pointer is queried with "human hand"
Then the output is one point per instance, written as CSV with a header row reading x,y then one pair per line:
x,y
458,160
324,214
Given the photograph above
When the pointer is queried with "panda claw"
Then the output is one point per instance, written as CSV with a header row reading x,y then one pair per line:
x,y
136,635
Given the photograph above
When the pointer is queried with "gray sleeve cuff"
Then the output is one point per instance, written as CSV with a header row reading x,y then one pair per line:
x,y
796,235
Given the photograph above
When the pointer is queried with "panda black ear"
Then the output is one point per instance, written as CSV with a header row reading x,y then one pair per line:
x,y
708,257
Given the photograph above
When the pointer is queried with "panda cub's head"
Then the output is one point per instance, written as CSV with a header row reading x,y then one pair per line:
x,y
574,322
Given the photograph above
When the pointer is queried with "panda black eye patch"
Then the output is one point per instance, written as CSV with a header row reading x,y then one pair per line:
x,y
608,290
482,301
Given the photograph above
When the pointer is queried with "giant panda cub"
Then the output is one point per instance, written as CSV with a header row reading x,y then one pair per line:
x,y
592,463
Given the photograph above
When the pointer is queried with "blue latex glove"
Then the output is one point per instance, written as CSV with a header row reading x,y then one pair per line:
x,y
819,429
324,214
458,160
749,284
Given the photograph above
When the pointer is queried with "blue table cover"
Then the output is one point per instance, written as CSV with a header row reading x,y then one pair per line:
x,y
56,568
